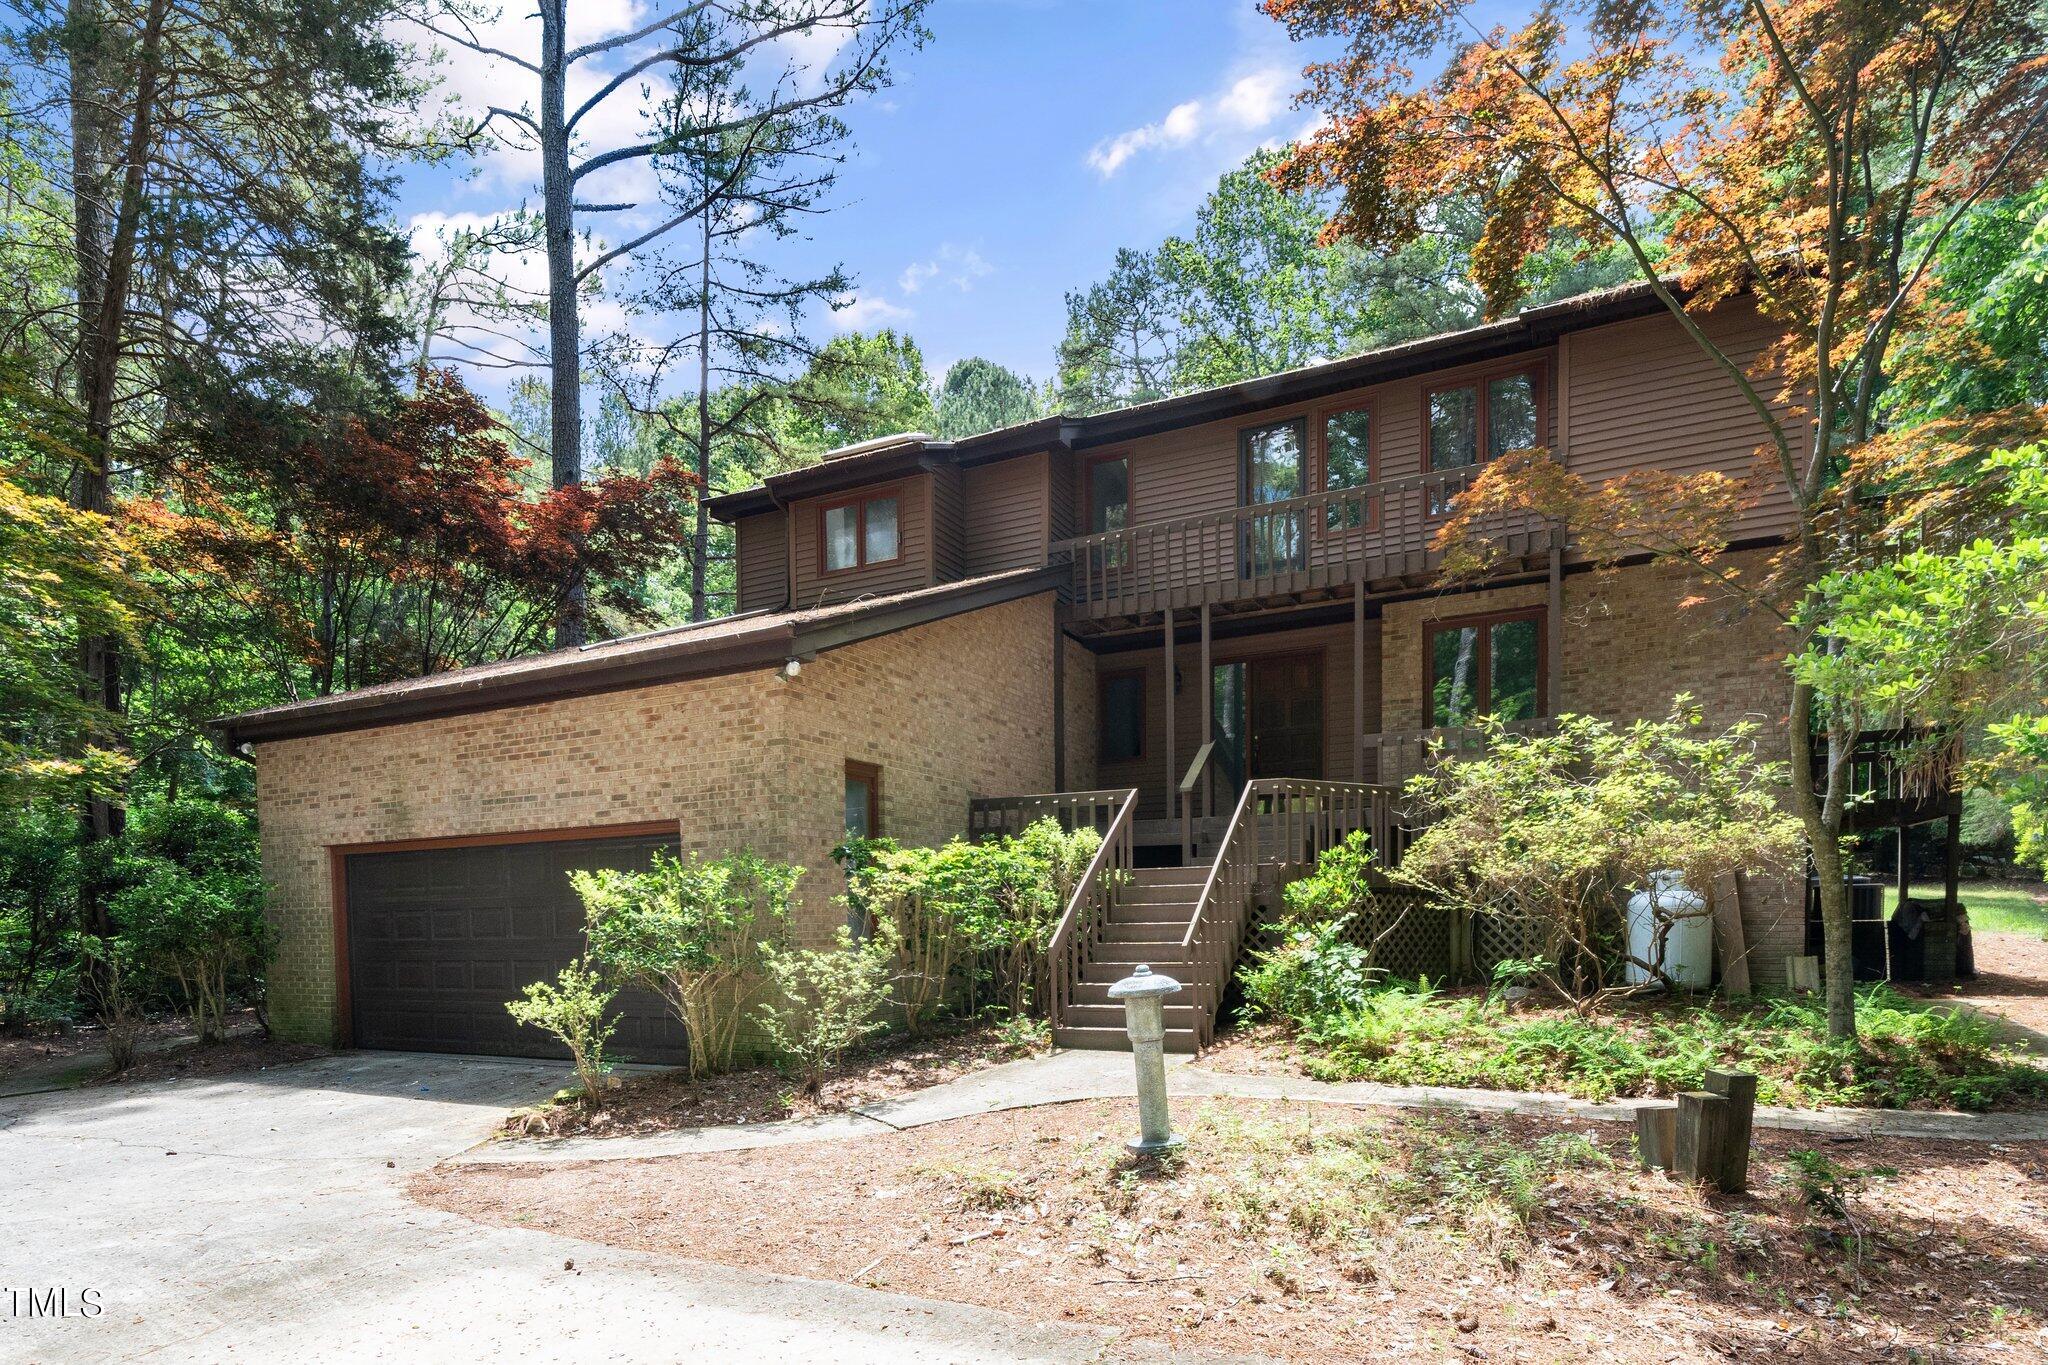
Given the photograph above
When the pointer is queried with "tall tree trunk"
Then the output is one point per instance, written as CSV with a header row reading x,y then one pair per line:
x,y
565,367
700,536
1820,810
105,265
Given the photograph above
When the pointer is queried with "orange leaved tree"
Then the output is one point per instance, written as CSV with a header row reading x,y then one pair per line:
x,y
1811,153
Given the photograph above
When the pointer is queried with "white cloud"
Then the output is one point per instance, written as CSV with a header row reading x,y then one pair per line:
x,y
1247,105
957,266
858,311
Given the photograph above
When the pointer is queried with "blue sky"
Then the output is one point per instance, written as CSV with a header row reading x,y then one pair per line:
x,y
1016,151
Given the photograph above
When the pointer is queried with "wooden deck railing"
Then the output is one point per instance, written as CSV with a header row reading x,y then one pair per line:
x,y
990,816
1318,541
1392,757
1283,821
1088,909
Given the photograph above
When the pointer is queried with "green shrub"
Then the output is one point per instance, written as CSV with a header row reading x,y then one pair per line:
x,y
572,1008
189,905
690,930
987,908
1317,974
824,1001
39,883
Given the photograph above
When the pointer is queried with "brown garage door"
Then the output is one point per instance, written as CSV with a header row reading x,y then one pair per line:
x,y
439,939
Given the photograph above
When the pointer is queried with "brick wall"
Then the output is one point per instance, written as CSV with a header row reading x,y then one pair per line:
x,y
1629,648
959,707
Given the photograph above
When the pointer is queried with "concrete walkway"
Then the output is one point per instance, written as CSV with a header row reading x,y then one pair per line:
x,y
1064,1077
263,1216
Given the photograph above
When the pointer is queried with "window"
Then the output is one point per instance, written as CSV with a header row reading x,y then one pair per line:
x,y
1272,460
1463,430
1347,463
1489,665
1109,494
858,532
1120,718
863,800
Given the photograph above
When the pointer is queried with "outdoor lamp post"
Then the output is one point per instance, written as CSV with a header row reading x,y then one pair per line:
x,y
1144,995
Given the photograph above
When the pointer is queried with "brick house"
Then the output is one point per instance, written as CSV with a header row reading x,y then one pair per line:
x,y
1209,624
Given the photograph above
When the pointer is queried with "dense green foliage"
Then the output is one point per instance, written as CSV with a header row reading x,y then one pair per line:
x,y
824,1001
1545,831
979,395
971,921
691,930
1911,1054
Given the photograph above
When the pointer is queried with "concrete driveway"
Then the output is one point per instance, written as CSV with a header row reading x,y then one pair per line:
x,y
263,1217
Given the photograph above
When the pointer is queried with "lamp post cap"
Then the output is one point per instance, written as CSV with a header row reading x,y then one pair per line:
x,y
1143,982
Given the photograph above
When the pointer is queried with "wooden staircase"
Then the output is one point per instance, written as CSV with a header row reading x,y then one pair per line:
x,y
1147,923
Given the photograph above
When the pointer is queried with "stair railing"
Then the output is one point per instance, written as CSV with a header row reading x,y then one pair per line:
x,y
1088,909
991,816
1188,784
1281,822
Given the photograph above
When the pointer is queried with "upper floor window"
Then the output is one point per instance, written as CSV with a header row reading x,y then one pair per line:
x,y
1347,463
1486,665
1109,494
859,532
1483,419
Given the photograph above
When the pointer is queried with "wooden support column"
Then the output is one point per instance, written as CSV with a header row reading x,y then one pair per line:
x,y
1059,707
1903,873
1208,718
1952,862
1554,622
1358,682
1172,772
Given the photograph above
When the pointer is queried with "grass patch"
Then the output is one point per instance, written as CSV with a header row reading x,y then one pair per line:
x,y
1911,1053
1995,908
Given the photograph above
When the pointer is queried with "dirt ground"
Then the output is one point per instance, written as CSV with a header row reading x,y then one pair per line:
x,y
2011,982
166,1050
1253,1243
243,1050
82,1043
670,1100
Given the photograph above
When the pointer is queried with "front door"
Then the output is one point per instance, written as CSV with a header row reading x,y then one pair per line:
x,y
1284,701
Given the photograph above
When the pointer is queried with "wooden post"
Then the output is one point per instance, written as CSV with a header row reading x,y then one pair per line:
x,y
1657,1135
1702,1135
1172,771
1208,719
1738,1088
1553,623
1952,862
1734,941
1358,681
1903,873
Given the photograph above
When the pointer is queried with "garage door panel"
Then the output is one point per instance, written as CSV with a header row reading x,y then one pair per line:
x,y
440,939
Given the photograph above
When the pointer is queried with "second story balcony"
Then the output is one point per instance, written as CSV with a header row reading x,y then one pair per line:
x,y
1379,534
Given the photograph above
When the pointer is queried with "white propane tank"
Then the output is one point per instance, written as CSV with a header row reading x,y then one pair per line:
x,y
1688,946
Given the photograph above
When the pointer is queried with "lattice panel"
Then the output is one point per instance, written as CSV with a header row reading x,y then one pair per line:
x,y
1495,941
1420,945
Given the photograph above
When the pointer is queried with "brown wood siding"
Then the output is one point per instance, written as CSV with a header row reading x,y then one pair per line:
x,y
1060,475
1005,515
761,561
949,531
910,570
1195,471
1148,774
1643,395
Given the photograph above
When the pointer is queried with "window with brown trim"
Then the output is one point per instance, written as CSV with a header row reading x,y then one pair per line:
x,y
863,800
854,533
1485,665
1120,717
1349,459
1484,418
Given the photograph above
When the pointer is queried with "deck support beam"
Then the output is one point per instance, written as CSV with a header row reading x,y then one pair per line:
x,y
1059,705
1553,620
1172,772
1358,681
1208,717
